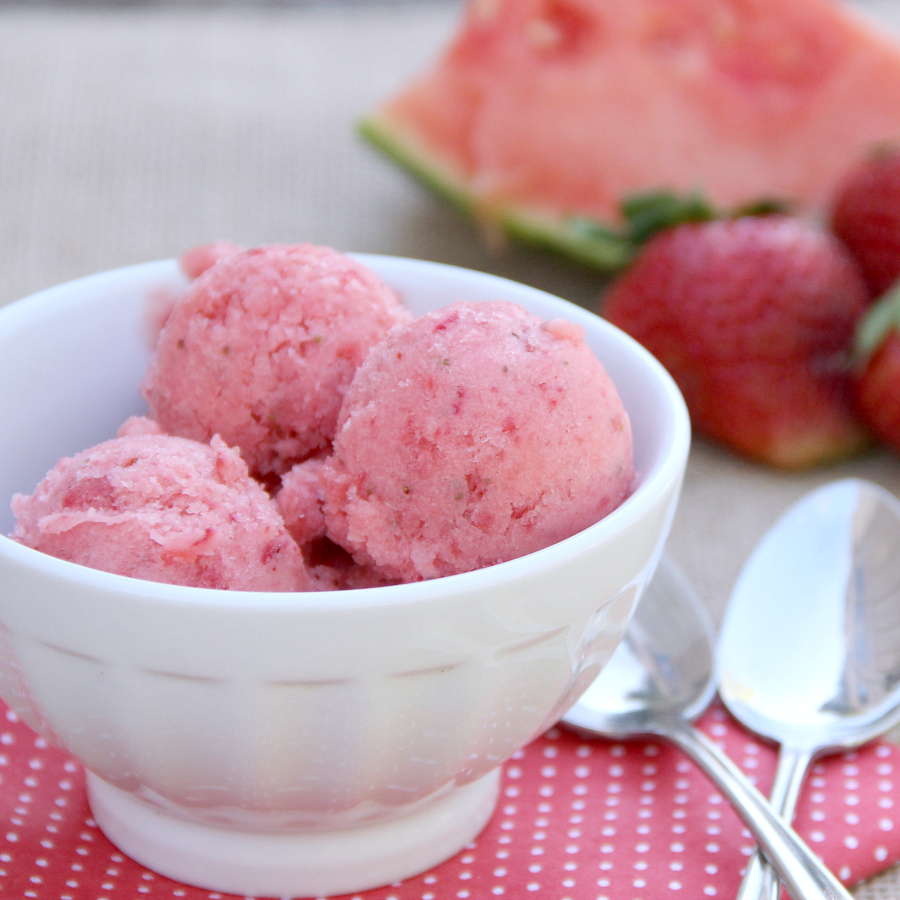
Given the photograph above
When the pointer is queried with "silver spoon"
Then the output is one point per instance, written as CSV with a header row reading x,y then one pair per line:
x,y
809,652
661,677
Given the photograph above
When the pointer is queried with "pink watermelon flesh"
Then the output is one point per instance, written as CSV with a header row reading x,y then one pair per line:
x,y
541,110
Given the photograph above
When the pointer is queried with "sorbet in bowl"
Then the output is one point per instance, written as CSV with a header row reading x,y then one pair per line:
x,y
298,743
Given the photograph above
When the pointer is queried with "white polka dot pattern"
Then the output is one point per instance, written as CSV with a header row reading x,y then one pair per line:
x,y
577,820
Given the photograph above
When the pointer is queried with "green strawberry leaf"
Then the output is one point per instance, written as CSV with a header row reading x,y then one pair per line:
x,y
646,214
882,316
763,206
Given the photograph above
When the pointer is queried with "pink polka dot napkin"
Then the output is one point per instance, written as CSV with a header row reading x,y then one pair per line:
x,y
577,820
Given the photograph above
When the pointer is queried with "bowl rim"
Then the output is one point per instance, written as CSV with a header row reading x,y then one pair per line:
x,y
667,470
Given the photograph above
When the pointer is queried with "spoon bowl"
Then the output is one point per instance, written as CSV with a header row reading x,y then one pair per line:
x,y
661,677
663,670
809,650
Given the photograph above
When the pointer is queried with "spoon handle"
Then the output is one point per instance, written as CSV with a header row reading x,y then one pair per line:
x,y
760,882
805,877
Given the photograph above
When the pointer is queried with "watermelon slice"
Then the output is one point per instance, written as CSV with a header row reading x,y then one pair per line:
x,y
542,115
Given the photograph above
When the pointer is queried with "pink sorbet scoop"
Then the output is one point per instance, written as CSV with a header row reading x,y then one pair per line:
x,y
261,347
163,509
471,436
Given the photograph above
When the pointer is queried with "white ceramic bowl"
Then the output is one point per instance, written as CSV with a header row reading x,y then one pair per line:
x,y
300,744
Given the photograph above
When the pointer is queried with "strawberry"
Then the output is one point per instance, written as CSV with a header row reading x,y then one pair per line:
x,y
877,381
866,216
754,318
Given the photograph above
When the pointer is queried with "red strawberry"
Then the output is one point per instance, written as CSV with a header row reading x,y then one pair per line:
x,y
878,375
866,216
754,318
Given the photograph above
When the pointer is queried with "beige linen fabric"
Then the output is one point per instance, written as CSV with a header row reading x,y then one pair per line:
x,y
128,133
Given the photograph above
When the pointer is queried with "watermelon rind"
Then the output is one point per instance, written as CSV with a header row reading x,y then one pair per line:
x,y
585,241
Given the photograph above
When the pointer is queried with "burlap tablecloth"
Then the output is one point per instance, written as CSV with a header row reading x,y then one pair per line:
x,y
128,133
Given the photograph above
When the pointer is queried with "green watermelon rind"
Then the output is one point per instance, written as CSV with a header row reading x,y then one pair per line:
x,y
588,242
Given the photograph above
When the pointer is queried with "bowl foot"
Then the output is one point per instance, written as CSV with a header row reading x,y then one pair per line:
x,y
307,864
